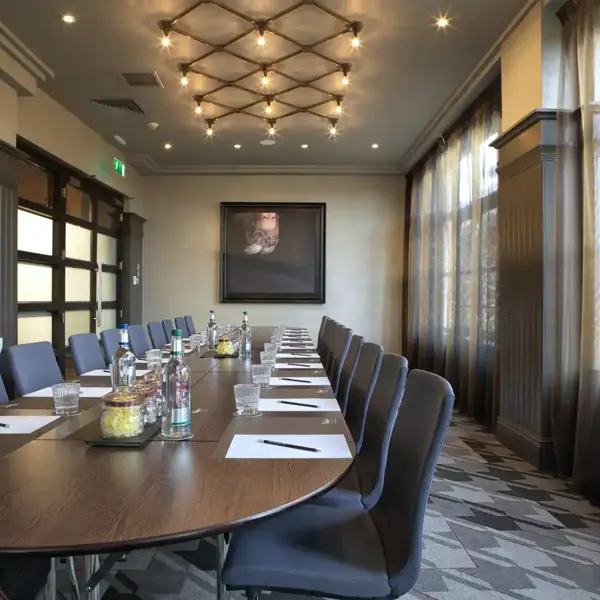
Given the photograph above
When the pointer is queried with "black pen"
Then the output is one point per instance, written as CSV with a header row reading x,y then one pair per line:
x,y
284,445
296,380
298,404
5,425
300,365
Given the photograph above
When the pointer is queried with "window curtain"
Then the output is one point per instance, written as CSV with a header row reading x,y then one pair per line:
x,y
575,384
452,262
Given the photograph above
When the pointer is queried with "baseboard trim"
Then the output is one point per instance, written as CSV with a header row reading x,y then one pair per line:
x,y
539,452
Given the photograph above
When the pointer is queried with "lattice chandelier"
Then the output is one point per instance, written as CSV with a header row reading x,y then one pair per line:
x,y
263,29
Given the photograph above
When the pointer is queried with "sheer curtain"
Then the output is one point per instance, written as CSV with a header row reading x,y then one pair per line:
x,y
453,262
575,389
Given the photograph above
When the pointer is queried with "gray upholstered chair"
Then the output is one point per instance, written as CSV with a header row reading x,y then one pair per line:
x,y
182,325
348,369
301,550
321,330
327,343
33,367
361,389
86,351
138,341
190,325
109,338
3,393
157,334
338,356
168,329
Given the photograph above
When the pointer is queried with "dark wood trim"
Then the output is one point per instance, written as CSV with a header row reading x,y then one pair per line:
x,y
527,122
406,262
538,452
135,217
9,166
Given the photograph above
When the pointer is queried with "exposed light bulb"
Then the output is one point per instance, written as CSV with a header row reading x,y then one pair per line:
x,y
237,146
165,42
167,146
264,80
375,146
210,131
68,18
442,22
355,41
184,81
260,41
338,109
345,80
268,109
198,110
271,130
304,146
333,131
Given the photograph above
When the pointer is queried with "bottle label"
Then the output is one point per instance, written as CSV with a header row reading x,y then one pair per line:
x,y
181,417
181,411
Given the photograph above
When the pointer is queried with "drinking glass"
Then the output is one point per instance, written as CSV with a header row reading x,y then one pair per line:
x,y
271,348
261,375
246,399
66,398
196,341
154,359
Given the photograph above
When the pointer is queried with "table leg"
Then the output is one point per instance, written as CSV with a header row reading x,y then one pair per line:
x,y
221,589
50,591
91,564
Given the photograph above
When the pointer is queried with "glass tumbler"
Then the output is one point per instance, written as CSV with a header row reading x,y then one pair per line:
x,y
196,341
246,399
154,359
66,398
261,375
272,348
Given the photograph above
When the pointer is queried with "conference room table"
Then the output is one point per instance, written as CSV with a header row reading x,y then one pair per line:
x,y
60,496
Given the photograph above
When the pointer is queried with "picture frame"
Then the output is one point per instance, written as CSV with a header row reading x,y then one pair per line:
x,y
273,252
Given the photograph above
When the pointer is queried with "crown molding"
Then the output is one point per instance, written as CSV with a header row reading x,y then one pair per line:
x,y
474,84
145,165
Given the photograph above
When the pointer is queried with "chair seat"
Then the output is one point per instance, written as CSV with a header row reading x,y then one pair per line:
x,y
316,548
346,493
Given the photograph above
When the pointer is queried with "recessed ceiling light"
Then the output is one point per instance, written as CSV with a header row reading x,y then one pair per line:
x,y
305,146
167,146
68,18
375,146
119,139
153,126
267,142
237,146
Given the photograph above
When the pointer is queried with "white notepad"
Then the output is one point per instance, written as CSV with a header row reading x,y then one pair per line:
x,y
318,381
104,373
297,356
24,424
298,367
275,404
249,446
86,392
304,348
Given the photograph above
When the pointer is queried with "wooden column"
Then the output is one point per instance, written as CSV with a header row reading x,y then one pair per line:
x,y
525,246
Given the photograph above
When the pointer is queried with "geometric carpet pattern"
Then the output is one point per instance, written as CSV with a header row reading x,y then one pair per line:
x,y
496,529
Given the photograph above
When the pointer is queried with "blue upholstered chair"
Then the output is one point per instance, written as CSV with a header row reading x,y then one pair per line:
x,y
181,324
33,367
110,342
365,481
361,389
157,334
3,393
138,341
347,372
190,325
168,329
338,356
354,552
86,351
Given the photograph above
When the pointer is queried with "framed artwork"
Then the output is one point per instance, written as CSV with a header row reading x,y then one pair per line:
x,y
272,252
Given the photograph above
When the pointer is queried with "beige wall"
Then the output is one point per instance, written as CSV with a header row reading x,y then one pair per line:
x,y
8,114
364,249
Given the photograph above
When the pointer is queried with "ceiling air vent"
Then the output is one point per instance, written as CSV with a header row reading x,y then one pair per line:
x,y
142,79
127,104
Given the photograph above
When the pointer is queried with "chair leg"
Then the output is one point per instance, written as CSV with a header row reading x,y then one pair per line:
x,y
73,576
221,589
252,593
50,591
91,564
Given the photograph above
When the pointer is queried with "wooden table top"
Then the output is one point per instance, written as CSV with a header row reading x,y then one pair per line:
x,y
60,496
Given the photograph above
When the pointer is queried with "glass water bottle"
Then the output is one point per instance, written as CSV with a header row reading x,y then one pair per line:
x,y
122,368
212,331
245,338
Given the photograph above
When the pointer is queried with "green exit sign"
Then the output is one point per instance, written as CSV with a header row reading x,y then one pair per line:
x,y
119,167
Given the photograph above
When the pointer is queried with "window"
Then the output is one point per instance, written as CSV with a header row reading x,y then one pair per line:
x,y
35,184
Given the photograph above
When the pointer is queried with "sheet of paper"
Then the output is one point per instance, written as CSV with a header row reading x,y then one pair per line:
x,y
295,330
249,446
303,347
298,355
106,373
299,381
86,392
24,424
280,405
298,366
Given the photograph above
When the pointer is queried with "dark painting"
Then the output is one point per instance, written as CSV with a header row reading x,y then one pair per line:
x,y
272,252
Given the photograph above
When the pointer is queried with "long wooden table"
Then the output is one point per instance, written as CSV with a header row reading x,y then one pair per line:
x,y
59,496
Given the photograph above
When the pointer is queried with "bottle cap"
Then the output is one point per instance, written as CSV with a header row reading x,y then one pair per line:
x,y
124,326
177,332
211,310
245,312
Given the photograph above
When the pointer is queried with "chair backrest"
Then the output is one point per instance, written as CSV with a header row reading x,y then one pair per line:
x,y
33,367
327,343
181,324
3,393
361,389
138,341
321,330
338,357
110,342
168,329
379,424
417,438
190,324
86,351
348,368
157,334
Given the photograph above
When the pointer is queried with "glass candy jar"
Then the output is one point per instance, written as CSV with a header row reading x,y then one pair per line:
x,y
122,415
147,392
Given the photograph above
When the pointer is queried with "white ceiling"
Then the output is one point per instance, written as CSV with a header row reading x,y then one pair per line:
x,y
403,73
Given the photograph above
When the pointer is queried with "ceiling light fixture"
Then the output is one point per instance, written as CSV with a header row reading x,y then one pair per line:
x,y
184,81
442,21
304,146
355,29
209,127
68,18
333,131
338,108
264,81
268,107
237,146
165,27
271,131
198,107
260,40
375,146
167,146
345,74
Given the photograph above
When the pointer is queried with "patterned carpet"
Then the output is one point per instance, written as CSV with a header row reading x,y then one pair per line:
x,y
496,529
